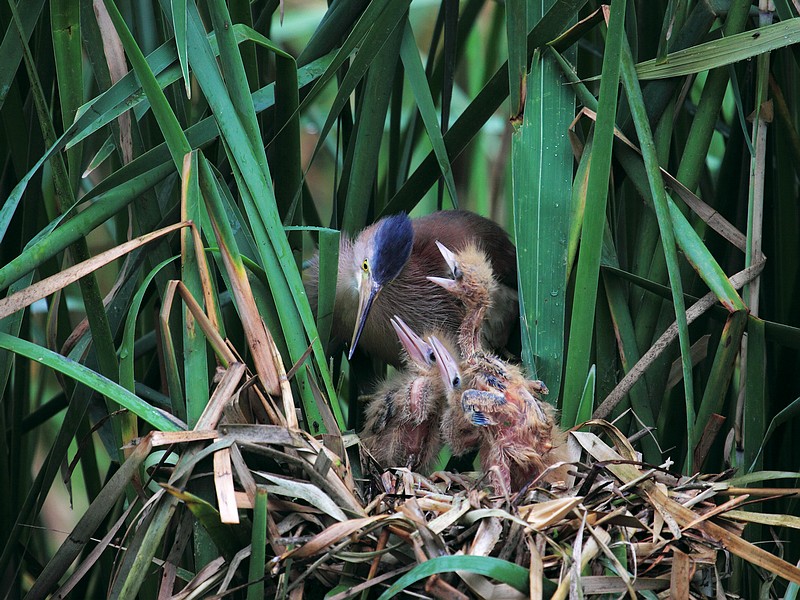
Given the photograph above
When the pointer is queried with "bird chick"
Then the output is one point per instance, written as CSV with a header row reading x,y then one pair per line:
x,y
456,428
387,265
517,430
402,417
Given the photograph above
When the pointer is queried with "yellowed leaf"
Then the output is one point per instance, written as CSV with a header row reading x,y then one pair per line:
x,y
331,535
223,483
50,285
544,514
764,518
486,538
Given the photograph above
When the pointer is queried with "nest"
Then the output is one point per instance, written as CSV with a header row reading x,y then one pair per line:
x,y
613,526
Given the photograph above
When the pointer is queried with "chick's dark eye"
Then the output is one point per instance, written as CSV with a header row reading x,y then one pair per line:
x,y
457,273
456,381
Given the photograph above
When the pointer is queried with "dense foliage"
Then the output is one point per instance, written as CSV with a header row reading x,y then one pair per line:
x,y
644,155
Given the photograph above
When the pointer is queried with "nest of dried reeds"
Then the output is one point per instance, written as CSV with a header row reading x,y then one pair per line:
x,y
332,522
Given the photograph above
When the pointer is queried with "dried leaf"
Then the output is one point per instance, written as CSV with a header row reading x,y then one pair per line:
x,y
223,483
307,491
330,536
544,514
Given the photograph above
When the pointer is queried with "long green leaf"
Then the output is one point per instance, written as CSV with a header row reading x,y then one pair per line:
x,y
66,198
94,380
48,246
586,405
66,26
422,95
755,416
364,149
724,51
502,570
516,30
259,201
173,133
255,575
722,370
195,351
541,163
586,282
11,47
629,354
371,47
788,413
91,520
636,103
179,26
480,109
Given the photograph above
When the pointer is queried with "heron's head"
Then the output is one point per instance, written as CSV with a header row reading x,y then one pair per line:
x,y
379,254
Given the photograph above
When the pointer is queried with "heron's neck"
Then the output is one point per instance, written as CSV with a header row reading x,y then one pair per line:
x,y
346,288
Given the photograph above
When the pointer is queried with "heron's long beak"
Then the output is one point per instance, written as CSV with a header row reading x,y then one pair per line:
x,y
418,349
448,367
368,290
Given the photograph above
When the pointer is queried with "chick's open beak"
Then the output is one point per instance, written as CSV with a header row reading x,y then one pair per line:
x,y
368,290
418,349
448,284
450,259
448,366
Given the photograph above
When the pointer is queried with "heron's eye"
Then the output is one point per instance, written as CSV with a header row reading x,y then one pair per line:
x,y
365,266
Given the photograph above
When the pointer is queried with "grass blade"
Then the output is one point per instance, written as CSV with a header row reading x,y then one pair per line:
x,y
541,163
516,29
91,520
95,381
636,103
502,570
258,546
480,110
724,51
586,282
422,95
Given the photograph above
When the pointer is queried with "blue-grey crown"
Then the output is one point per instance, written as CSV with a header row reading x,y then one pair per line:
x,y
393,241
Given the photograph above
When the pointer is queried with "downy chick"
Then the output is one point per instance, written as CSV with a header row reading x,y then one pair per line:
x,y
403,415
456,427
517,430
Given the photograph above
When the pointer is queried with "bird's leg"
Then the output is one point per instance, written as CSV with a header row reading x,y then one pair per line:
x,y
495,462
420,399
492,373
533,403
